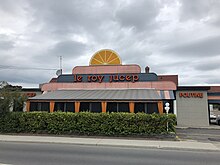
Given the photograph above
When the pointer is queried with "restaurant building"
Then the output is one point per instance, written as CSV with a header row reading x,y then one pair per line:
x,y
106,85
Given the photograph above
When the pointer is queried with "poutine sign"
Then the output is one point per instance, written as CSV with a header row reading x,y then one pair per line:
x,y
191,94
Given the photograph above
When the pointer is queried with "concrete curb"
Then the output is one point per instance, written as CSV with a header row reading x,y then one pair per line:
x,y
216,127
177,145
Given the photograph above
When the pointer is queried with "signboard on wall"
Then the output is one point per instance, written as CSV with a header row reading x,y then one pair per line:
x,y
30,94
191,94
90,78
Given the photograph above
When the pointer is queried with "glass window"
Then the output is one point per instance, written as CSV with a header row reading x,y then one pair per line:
x,y
33,106
139,107
152,108
123,107
96,107
59,106
45,106
111,107
84,106
70,107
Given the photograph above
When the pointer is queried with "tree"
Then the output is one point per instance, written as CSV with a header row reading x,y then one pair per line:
x,y
11,96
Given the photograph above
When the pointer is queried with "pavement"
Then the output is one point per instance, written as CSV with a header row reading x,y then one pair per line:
x,y
116,142
186,138
212,126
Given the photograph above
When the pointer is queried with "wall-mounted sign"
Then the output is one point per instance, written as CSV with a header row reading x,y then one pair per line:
x,y
191,94
89,78
30,94
112,78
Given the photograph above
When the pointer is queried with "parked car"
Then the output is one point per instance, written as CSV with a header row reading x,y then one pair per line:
x,y
214,118
218,120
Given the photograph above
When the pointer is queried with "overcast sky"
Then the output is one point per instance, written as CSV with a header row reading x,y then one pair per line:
x,y
170,36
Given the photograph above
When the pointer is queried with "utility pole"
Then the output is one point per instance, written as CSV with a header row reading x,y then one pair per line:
x,y
60,71
61,64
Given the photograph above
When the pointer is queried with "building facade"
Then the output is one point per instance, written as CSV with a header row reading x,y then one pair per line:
x,y
105,85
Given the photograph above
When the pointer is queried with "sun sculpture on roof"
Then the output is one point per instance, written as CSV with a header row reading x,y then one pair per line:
x,y
105,57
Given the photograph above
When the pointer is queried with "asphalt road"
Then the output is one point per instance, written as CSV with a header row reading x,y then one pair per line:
x,y
65,154
203,135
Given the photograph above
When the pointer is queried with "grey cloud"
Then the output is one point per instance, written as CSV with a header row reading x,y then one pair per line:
x,y
204,47
170,67
207,65
195,9
72,16
207,78
200,9
45,61
132,56
68,49
49,58
34,77
94,20
216,21
142,32
199,78
6,43
138,15
10,6
212,80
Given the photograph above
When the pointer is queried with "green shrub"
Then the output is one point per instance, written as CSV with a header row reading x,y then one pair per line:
x,y
87,123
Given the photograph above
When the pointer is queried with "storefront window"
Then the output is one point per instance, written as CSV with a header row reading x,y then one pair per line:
x,y
139,107
45,106
69,107
111,107
33,106
39,106
96,107
123,107
59,106
152,108
84,106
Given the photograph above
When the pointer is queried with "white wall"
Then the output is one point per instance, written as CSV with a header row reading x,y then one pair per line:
x,y
192,111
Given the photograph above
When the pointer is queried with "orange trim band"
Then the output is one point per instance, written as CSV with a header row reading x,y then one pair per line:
x,y
28,106
104,105
77,106
160,107
131,107
52,106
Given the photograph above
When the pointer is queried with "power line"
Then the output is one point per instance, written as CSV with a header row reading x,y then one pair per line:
x,y
24,68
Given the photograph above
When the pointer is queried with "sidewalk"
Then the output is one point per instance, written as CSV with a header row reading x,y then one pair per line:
x,y
215,127
179,145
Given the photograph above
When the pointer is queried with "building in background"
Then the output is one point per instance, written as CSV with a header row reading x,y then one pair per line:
x,y
13,98
30,92
105,85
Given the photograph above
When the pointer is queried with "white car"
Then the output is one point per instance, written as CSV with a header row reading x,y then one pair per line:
x,y
218,120
214,118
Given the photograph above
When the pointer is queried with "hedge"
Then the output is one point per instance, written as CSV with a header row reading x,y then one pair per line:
x,y
87,123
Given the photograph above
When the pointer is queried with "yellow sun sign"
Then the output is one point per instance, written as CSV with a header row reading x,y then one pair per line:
x,y
105,57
